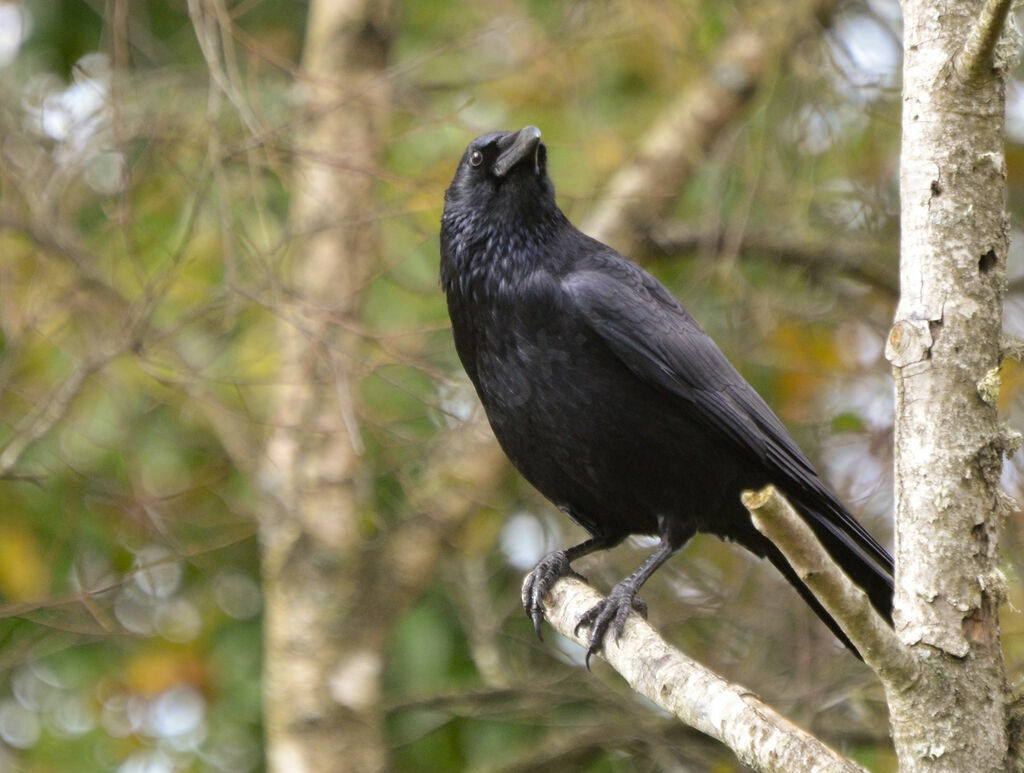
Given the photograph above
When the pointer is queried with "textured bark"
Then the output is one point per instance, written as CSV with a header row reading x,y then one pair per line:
x,y
944,347
761,737
321,675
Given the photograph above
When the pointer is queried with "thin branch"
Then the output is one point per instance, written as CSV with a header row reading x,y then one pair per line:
x,y
859,257
480,621
977,57
677,142
759,736
673,148
845,601
49,411
654,739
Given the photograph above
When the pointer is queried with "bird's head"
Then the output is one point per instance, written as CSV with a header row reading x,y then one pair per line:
x,y
500,213
504,173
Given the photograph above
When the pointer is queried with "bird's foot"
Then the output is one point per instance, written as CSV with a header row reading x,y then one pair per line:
x,y
550,569
610,611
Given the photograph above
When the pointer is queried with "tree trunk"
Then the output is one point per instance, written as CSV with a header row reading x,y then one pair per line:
x,y
321,680
944,347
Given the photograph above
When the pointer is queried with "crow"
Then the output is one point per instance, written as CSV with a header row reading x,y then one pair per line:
x,y
609,398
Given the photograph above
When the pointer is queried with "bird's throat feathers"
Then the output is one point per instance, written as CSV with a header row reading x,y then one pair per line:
x,y
481,254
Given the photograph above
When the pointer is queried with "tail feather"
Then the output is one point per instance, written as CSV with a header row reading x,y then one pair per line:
x,y
857,554
866,562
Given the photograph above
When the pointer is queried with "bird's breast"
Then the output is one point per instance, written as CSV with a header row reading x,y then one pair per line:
x,y
577,423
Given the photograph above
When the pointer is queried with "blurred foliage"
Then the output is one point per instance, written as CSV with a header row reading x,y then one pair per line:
x,y
143,231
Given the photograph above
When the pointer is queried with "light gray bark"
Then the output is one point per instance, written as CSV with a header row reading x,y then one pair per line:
x,y
944,347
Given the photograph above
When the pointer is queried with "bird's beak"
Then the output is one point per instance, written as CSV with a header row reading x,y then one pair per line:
x,y
516,147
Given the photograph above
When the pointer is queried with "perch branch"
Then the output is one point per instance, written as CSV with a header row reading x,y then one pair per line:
x,y
845,602
759,735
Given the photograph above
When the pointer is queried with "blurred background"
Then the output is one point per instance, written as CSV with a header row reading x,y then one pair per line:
x,y
197,337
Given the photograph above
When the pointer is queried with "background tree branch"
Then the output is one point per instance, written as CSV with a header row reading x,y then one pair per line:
x,y
642,192
857,256
322,689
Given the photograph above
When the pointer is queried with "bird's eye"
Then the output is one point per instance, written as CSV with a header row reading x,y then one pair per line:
x,y
476,158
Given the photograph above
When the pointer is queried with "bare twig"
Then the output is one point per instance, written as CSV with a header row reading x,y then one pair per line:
x,y
760,736
845,602
49,411
856,256
977,57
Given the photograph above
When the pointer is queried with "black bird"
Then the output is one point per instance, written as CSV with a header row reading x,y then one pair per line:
x,y
609,397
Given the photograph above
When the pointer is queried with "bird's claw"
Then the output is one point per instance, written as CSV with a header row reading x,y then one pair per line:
x,y
545,574
611,611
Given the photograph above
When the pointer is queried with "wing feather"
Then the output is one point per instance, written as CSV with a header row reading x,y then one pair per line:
x,y
660,342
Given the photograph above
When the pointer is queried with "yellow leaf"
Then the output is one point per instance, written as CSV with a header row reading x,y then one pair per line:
x,y
153,671
23,568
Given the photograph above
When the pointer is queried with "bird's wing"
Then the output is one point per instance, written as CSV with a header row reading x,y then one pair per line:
x,y
658,340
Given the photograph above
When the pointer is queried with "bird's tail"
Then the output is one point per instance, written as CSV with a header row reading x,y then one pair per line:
x,y
857,553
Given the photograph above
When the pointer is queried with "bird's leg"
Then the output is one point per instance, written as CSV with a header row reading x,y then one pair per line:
x,y
548,571
615,608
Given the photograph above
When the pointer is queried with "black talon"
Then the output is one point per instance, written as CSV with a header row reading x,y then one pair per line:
x,y
615,610
549,570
